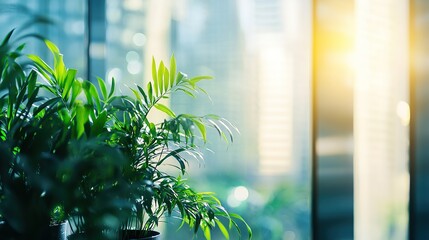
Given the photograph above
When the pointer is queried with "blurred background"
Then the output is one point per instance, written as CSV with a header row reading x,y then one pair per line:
x,y
329,97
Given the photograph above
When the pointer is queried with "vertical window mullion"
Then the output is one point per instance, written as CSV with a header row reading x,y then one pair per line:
x,y
332,120
314,164
96,38
412,148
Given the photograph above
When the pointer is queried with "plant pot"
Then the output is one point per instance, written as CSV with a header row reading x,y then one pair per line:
x,y
58,231
77,236
124,235
53,232
140,235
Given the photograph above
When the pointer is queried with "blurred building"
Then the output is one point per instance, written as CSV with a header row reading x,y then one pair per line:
x,y
381,120
260,37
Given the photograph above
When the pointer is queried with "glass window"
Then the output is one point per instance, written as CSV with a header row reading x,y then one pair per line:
x,y
66,28
263,55
381,120
362,119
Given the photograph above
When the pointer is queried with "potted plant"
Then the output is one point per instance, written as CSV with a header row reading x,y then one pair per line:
x,y
97,156
27,172
150,147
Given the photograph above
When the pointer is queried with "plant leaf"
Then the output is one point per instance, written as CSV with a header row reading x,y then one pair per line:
x,y
172,70
102,87
202,129
150,92
112,88
194,80
222,228
143,94
76,90
154,76
165,109
7,38
68,82
160,81
180,77
98,125
166,80
52,47
42,64
207,232
32,77
81,119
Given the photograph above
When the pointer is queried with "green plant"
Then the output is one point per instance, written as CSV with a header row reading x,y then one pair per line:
x,y
57,215
41,123
80,150
150,147
27,125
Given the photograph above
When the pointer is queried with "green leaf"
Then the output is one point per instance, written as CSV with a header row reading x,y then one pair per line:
x,y
202,129
152,129
143,94
65,116
160,81
20,97
86,86
222,228
249,230
172,70
197,222
59,67
68,82
7,38
44,66
112,88
166,80
20,47
32,77
81,118
99,123
207,233
176,155
76,90
219,130
46,104
154,76
136,94
165,109
33,98
180,77
102,87
94,94
227,128
52,47
150,91
187,92
194,80
204,91
212,116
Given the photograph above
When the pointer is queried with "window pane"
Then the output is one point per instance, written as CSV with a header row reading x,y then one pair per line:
x,y
381,118
67,30
258,51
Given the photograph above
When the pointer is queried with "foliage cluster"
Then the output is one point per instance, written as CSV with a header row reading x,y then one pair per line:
x,y
76,150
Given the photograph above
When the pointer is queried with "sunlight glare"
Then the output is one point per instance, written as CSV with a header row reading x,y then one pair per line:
x,y
403,112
